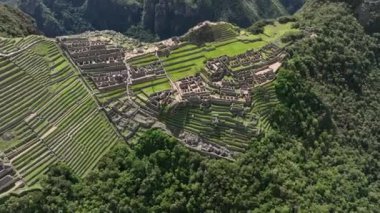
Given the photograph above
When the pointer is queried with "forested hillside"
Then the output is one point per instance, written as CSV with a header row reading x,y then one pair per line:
x,y
367,12
14,23
164,18
320,155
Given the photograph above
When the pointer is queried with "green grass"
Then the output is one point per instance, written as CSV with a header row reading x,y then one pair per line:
x,y
157,88
41,49
272,33
235,48
63,104
4,145
182,73
107,96
189,59
152,83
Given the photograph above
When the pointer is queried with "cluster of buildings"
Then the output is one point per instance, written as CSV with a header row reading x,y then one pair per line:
x,y
146,73
8,177
247,68
230,79
128,117
225,81
194,141
99,60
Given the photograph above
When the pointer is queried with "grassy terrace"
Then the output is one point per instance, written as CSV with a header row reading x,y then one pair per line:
x,y
152,86
9,45
228,131
189,59
49,113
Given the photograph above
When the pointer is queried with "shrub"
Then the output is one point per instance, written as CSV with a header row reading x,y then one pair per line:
x,y
292,36
286,19
258,27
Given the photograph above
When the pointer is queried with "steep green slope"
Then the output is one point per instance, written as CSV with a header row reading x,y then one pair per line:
x,y
320,155
47,113
366,11
165,18
14,23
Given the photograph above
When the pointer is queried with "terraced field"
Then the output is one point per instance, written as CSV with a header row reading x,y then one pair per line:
x,y
11,45
217,124
47,112
189,59
152,86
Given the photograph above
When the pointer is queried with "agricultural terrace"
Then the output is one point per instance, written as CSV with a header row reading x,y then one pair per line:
x,y
221,111
46,113
189,59
151,86
11,45
227,125
217,124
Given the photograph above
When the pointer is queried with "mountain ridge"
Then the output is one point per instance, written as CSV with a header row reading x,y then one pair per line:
x,y
164,18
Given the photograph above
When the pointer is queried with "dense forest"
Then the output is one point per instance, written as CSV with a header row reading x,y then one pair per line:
x,y
321,155
162,18
15,23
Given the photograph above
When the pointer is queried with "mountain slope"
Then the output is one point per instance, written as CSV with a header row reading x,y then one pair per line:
x,y
164,18
322,154
15,23
366,11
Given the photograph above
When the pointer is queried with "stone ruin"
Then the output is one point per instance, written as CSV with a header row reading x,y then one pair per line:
x,y
248,58
159,99
246,70
216,68
128,117
192,88
264,76
146,73
198,143
110,80
99,60
8,177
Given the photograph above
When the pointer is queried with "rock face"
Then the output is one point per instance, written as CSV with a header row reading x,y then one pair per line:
x,y
162,17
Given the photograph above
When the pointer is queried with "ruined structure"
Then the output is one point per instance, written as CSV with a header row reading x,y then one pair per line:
x,y
8,177
226,83
99,60
146,73
196,142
